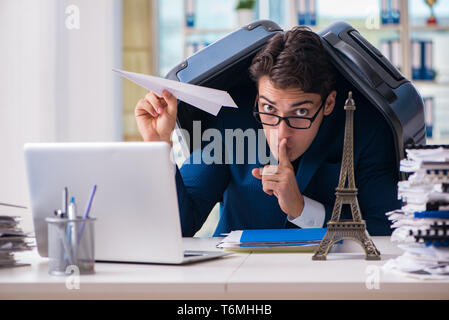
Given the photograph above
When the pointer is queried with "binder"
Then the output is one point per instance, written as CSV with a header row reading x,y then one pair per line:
x,y
395,12
282,235
391,49
396,54
305,240
422,60
301,11
428,72
190,12
312,13
390,11
385,49
384,12
416,60
429,115
306,12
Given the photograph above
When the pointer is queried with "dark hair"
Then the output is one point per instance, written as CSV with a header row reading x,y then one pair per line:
x,y
295,58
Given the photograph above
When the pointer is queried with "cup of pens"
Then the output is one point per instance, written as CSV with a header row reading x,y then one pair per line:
x,y
71,239
71,243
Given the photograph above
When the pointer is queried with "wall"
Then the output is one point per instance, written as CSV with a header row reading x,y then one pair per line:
x,y
139,45
56,83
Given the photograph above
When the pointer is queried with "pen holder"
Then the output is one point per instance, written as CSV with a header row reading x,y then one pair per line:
x,y
70,243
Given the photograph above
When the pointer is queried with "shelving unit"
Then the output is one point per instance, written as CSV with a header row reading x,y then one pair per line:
x,y
403,29
404,32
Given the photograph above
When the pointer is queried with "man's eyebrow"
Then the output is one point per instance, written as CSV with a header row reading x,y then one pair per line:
x,y
273,103
301,103
293,105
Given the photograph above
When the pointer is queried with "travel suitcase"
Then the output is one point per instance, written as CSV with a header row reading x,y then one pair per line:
x,y
221,65
364,66
224,65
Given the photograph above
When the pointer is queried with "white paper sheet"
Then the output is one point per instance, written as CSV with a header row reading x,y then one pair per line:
x,y
207,99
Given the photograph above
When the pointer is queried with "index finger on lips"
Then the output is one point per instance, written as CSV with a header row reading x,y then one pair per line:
x,y
284,161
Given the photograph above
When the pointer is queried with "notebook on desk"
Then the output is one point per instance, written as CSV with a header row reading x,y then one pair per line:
x,y
269,240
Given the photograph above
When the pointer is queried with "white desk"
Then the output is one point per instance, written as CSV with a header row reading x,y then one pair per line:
x,y
240,276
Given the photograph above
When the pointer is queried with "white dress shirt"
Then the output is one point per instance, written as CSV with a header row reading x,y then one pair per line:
x,y
312,215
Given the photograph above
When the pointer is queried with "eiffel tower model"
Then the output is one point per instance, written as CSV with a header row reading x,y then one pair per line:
x,y
346,193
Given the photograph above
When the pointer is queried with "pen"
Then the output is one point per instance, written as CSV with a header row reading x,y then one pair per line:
x,y
64,200
71,230
89,203
72,209
86,212
65,245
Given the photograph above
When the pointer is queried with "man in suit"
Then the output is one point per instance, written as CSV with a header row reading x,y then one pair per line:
x,y
295,106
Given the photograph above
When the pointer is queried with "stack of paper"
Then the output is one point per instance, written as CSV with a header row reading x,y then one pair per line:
x,y
12,240
305,240
421,226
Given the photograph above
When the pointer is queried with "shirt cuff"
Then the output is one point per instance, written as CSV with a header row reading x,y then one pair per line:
x,y
312,215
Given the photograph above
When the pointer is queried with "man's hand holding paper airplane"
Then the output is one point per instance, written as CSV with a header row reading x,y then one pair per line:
x,y
156,113
156,116
207,99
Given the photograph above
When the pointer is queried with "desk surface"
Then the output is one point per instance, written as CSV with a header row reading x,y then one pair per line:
x,y
344,275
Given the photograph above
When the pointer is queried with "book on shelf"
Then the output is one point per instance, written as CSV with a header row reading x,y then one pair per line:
x,y
390,12
190,13
306,12
422,60
391,49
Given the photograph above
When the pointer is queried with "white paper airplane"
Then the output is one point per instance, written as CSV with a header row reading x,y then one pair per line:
x,y
207,99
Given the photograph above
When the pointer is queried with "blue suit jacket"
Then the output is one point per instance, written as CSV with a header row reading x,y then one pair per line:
x,y
244,205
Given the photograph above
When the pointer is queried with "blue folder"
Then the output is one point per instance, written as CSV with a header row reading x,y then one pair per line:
x,y
444,214
282,235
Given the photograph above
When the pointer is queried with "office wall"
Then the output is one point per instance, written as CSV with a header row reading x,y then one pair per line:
x,y
140,22
56,82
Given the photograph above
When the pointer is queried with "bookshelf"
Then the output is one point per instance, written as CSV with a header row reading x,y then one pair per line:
x,y
404,32
403,29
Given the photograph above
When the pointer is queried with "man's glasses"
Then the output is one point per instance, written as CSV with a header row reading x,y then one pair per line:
x,y
295,122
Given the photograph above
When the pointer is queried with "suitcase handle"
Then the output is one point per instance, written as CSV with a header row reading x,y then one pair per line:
x,y
370,74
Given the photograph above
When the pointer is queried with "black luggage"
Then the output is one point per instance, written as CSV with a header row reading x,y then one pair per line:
x,y
224,65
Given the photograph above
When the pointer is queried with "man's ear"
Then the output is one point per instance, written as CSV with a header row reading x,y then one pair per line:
x,y
330,103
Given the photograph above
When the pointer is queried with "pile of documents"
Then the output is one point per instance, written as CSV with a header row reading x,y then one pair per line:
x,y
280,240
12,240
421,226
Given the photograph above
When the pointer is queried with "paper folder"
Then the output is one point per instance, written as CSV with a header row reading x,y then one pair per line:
x,y
254,240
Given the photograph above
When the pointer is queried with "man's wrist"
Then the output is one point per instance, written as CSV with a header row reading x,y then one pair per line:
x,y
300,208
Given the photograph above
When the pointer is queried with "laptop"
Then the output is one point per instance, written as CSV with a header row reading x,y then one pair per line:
x,y
135,203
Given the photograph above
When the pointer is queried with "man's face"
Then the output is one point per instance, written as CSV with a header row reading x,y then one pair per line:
x,y
291,102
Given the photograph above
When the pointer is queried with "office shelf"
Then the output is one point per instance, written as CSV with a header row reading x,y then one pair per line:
x,y
429,28
402,32
430,83
192,30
